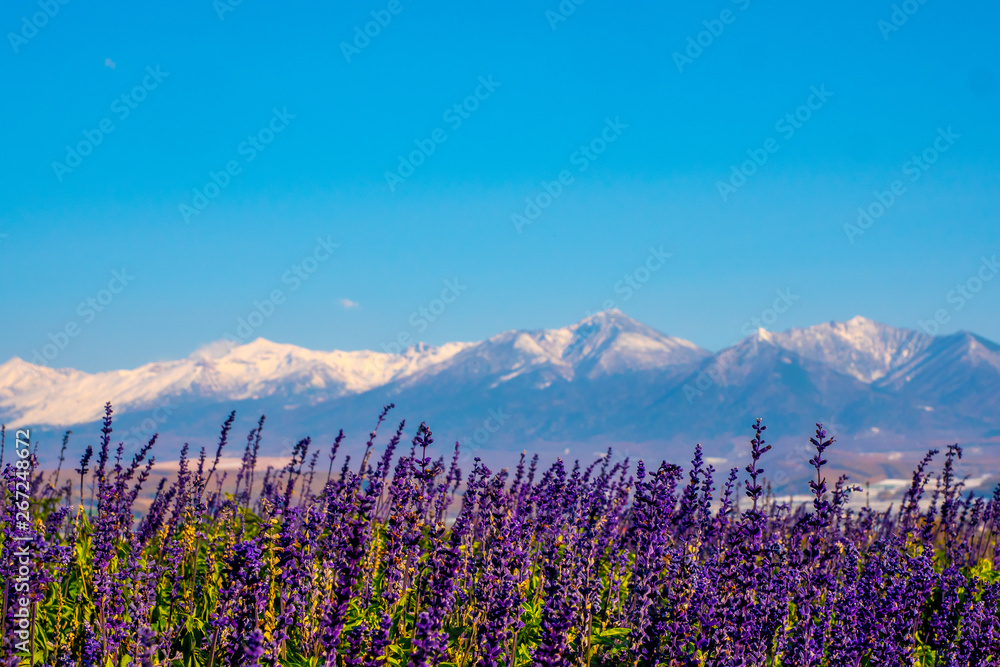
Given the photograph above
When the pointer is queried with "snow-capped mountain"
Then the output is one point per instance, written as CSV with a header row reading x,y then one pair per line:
x,y
858,347
608,343
32,394
606,378
957,372
602,345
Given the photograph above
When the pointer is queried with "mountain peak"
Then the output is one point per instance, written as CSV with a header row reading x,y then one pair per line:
x,y
611,316
610,342
863,348
612,320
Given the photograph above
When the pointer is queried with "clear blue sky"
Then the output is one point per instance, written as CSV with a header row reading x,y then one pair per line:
x,y
324,173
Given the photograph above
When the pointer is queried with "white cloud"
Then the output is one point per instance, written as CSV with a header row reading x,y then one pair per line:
x,y
348,304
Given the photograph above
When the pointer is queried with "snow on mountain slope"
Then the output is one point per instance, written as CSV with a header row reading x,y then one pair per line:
x,y
957,370
40,395
759,365
754,378
608,343
859,347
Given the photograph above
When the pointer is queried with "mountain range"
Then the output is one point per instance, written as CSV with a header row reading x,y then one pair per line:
x,y
606,380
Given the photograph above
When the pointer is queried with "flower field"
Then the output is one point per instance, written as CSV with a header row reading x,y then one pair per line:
x,y
401,558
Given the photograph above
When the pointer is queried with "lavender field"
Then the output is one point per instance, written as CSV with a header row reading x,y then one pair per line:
x,y
402,558
393,333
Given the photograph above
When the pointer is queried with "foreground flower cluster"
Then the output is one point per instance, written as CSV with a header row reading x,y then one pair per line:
x,y
402,559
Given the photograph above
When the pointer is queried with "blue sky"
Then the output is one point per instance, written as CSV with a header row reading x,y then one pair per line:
x,y
309,135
